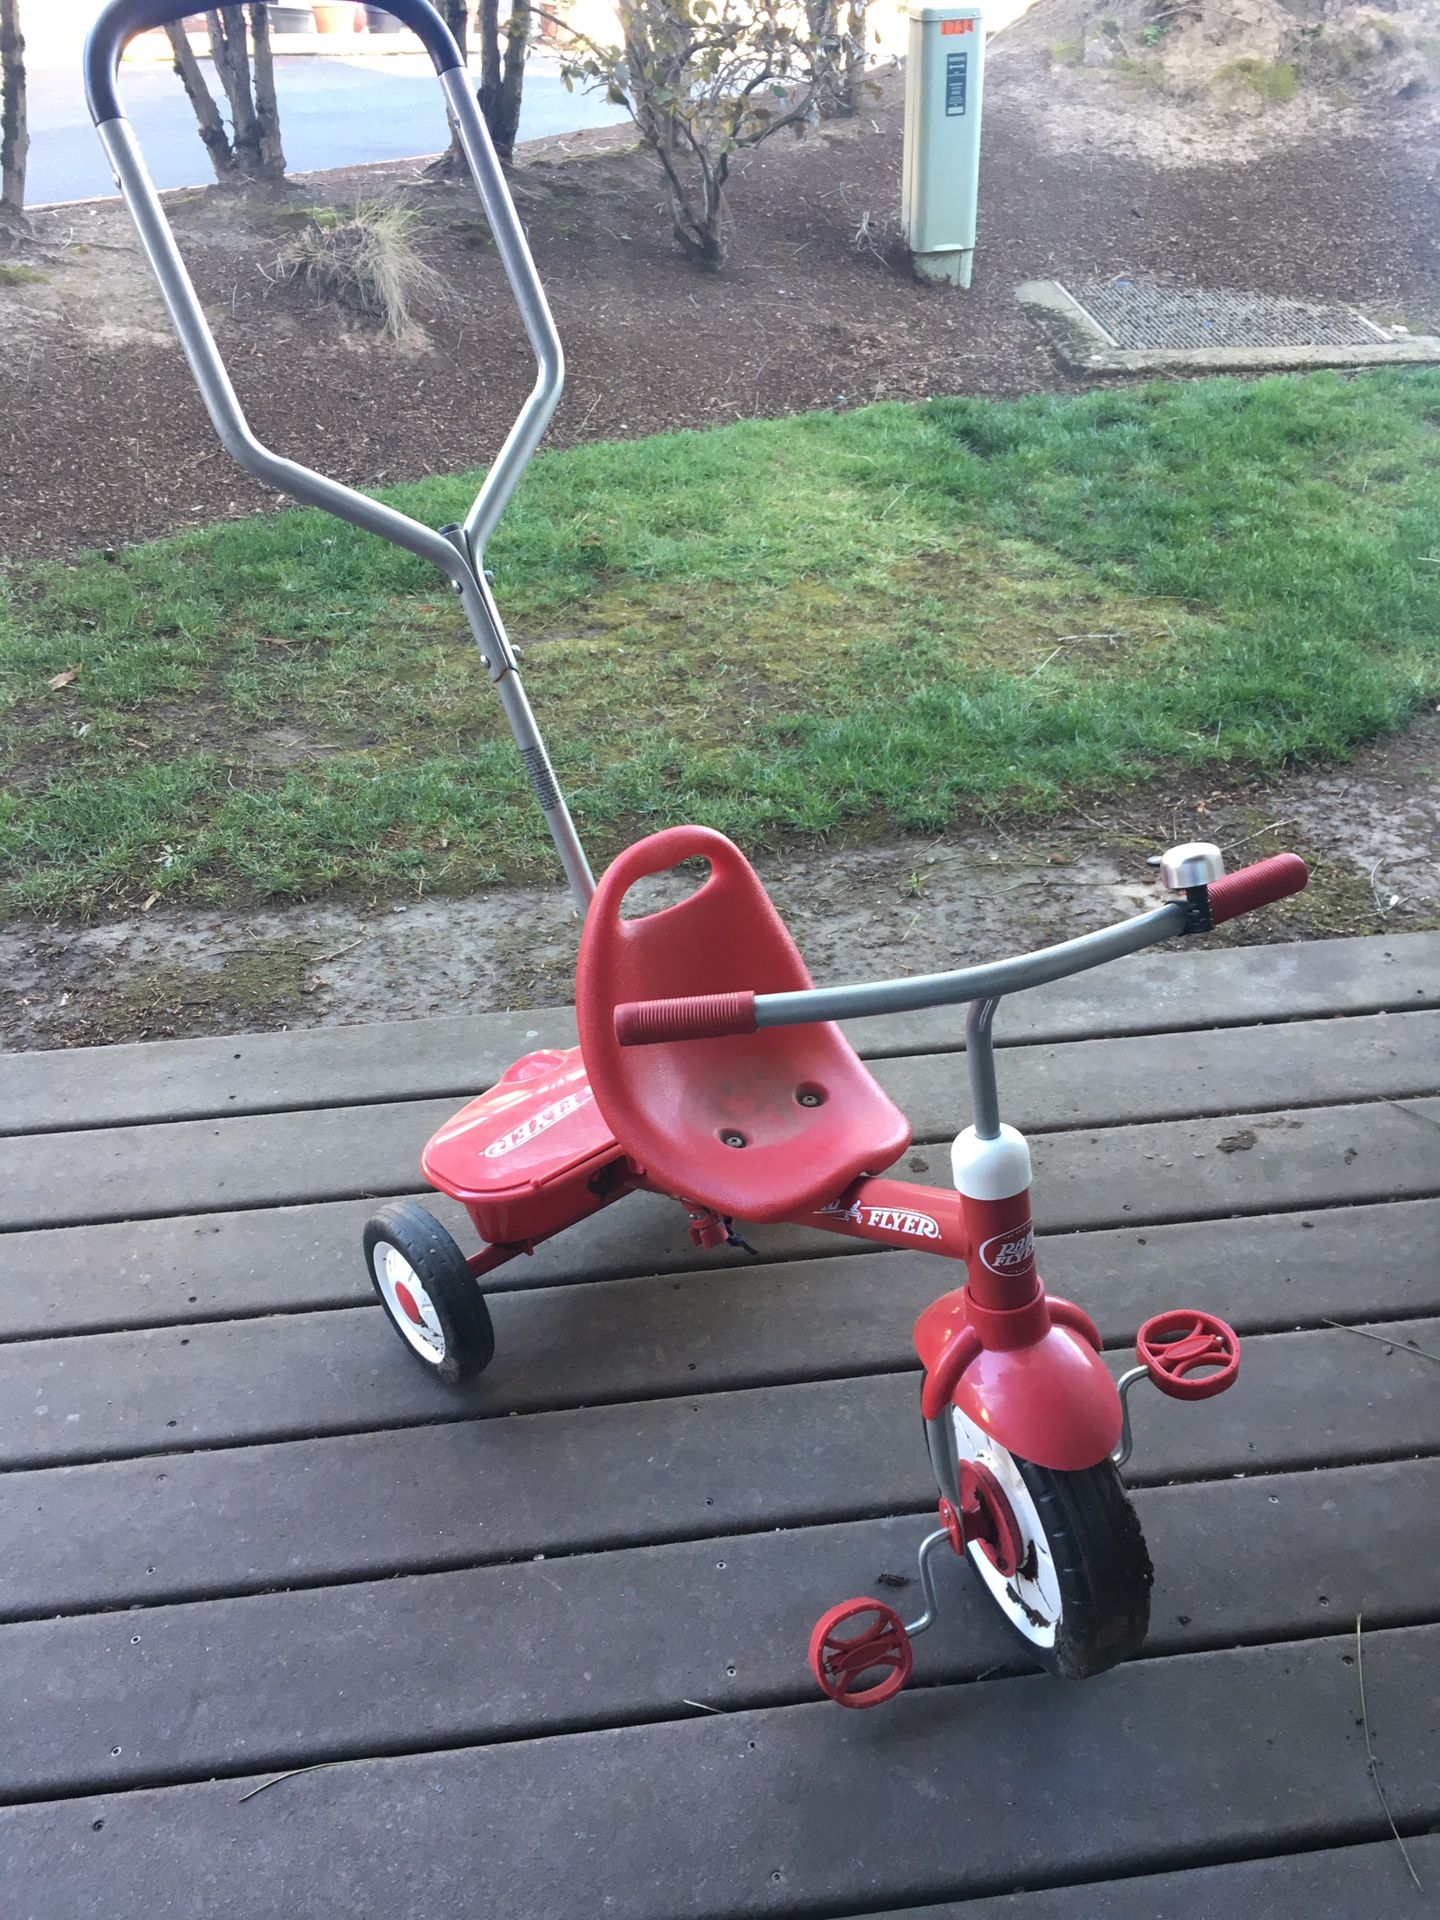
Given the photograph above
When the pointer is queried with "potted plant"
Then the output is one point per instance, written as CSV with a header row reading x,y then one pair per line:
x,y
382,22
338,16
291,19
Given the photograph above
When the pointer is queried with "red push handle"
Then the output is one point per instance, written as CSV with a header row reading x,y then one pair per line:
x,y
1250,887
696,1016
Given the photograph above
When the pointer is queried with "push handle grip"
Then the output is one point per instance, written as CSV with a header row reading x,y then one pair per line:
x,y
1257,886
123,19
696,1016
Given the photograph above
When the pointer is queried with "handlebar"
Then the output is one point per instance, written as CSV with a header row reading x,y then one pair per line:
x,y
711,1016
123,19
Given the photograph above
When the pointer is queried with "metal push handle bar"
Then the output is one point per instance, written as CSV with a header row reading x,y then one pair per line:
x,y
459,551
115,28
708,1016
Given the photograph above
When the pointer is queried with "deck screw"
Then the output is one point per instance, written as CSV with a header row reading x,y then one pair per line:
x,y
732,1139
808,1097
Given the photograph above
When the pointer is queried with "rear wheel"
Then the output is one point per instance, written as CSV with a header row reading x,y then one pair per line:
x,y
1078,1593
426,1287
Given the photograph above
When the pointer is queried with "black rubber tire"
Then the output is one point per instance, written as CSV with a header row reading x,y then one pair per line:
x,y
441,1268
1102,1564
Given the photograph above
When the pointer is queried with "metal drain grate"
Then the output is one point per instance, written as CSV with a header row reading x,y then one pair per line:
x,y
1141,318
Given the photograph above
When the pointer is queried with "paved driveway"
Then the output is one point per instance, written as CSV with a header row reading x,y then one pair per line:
x,y
336,113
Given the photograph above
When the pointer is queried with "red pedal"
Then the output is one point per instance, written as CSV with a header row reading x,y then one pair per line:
x,y
1189,1355
868,1666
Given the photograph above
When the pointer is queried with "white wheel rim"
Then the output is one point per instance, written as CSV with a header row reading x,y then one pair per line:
x,y
402,1289
1029,1598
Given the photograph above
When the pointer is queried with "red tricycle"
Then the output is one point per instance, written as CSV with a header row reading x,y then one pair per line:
x,y
710,1069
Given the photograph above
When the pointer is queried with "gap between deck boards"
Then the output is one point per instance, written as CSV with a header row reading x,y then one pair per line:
x,y
105,1398
1319,1882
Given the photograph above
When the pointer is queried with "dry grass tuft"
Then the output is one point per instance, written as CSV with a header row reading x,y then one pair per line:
x,y
368,260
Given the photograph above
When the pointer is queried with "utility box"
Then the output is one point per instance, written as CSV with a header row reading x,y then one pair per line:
x,y
941,176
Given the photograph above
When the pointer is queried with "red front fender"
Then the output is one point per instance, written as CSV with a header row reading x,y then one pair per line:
x,y
1052,1401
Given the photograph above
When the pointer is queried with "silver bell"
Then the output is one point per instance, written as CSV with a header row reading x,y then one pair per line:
x,y
1196,864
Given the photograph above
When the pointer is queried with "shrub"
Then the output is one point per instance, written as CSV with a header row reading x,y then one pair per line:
x,y
367,260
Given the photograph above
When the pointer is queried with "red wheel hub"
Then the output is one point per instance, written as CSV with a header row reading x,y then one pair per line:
x,y
1174,1347
877,1650
986,1519
408,1303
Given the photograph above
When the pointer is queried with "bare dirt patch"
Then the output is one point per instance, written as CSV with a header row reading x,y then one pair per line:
x,y
1370,830
1185,83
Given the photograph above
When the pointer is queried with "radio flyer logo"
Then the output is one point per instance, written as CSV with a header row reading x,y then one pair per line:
x,y
1009,1252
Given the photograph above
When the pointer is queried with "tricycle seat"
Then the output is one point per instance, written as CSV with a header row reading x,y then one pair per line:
x,y
763,1126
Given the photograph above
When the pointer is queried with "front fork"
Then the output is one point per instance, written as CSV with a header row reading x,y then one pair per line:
x,y
1025,1368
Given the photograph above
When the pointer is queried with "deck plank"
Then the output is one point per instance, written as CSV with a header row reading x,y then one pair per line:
x,y
285,1159
285,1679
1191,987
757,1812
312,1511
151,1273
1333,1883
220,1382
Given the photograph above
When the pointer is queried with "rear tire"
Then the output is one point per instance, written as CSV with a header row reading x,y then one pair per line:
x,y
1080,1598
429,1294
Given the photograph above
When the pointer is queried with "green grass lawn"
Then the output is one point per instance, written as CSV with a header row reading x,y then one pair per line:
x,y
836,624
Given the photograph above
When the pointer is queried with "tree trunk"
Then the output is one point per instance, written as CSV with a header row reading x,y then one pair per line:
x,y
253,150
852,60
14,133
267,107
452,163
207,114
231,54
502,74
502,83
839,25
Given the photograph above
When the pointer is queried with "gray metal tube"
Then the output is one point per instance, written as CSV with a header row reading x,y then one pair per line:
x,y
980,1062
988,982
221,401
496,656
533,418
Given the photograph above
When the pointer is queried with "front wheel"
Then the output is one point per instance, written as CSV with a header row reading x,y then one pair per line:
x,y
1078,1593
426,1287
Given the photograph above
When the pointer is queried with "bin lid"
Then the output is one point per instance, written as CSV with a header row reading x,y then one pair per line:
x,y
538,1124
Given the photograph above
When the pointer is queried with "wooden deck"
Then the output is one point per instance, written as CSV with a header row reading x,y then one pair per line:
x,y
553,1628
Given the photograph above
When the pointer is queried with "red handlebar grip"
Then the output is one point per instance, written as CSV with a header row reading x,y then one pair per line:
x,y
1250,887
698,1016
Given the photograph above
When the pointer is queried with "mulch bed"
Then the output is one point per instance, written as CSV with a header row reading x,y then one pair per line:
x,y
101,445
